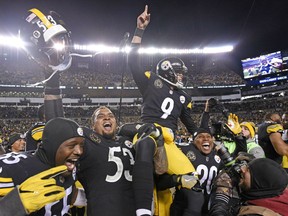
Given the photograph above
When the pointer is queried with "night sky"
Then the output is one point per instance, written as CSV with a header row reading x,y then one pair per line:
x,y
253,27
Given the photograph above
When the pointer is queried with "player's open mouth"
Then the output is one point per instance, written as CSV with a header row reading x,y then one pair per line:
x,y
107,126
206,146
71,163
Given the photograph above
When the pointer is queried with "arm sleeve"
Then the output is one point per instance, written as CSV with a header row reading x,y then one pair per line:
x,y
53,106
166,181
135,68
219,206
53,109
221,195
257,152
241,145
204,121
11,204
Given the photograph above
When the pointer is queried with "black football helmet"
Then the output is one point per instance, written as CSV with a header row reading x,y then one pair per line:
x,y
46,40
169,69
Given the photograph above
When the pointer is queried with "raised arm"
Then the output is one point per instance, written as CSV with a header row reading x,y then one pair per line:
x,y
142,22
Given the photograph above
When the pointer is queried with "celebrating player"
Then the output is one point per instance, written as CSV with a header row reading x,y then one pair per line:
x,y
163,103
62,145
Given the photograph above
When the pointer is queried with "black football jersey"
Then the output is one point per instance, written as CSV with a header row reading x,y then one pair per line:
x,y
161,103
106,175
15,168
207,166
264,131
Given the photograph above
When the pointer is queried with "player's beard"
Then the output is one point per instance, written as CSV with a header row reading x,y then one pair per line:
x,y
109,135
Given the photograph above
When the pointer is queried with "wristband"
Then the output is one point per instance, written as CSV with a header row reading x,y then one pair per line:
x,y
139,32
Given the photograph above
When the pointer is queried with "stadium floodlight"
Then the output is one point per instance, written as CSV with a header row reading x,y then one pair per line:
x,y
205,50
152,50
221,49
11,41
101,48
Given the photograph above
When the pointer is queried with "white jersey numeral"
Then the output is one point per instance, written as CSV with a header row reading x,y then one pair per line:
x,y
12,158
167,107
120,168
207,175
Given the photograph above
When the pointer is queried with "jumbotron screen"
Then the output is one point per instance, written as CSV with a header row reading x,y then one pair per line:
x,y
263,65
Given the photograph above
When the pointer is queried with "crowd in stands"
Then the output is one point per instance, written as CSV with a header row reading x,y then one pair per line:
x,y
106,74
21,118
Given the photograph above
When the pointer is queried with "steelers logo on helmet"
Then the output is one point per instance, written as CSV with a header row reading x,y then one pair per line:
x,y
165,65
47,40
172,70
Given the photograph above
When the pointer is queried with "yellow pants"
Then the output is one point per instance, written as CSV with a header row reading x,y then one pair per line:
x,y
162,202
285,162
178,164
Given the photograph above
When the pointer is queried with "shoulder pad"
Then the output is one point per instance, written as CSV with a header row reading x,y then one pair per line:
x,y
274,128
37,131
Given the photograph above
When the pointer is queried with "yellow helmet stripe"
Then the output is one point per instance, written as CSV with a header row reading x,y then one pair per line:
x,y
42,17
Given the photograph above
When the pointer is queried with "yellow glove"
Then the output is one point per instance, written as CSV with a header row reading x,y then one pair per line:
x,y
41,189
233,124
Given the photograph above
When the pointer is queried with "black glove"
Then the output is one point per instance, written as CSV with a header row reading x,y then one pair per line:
x,y
212,102
149,129
128,129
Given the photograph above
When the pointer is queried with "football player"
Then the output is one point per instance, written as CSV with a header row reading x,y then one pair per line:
x,y
16,143
265,66
207,164
106,167
62,144
270,137
164,102
285,138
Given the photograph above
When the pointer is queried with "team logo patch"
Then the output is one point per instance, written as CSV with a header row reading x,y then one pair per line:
x,y
95,138
128,143
182,99
158,83
165,65
191,155
80,131
217,158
